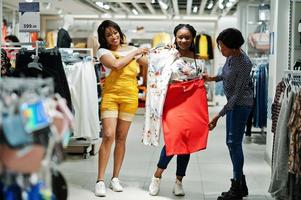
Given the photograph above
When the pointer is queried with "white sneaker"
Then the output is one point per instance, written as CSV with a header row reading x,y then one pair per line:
x,y
115,185
154,186
178,188
100,189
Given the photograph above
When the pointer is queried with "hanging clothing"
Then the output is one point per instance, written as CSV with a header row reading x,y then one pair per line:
x,y
52,66
83,89
63,39
161,39
204,46
279,177
158,76
185,117
210,47
174,86
294,125
6,69
276,105
51,38
261,95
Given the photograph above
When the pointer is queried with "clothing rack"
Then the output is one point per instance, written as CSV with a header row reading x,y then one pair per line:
x,y
83,146
285,178
257,62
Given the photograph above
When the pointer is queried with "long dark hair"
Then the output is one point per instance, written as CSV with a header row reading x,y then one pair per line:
x,y
101,33
191,30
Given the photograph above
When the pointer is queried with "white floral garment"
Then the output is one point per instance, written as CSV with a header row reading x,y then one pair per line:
x,y
164,66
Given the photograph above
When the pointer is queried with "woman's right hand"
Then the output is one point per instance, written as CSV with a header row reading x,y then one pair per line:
x,y
169,46
141,51
206,77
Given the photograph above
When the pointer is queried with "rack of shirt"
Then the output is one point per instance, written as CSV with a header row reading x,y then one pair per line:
x,y
259,74
34,123
81,77
286,120
40,62
204,46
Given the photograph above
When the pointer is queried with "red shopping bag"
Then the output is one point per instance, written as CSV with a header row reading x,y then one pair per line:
x,y
185,117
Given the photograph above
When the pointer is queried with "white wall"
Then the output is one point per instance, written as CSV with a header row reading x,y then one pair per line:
x,y
279,60
223,23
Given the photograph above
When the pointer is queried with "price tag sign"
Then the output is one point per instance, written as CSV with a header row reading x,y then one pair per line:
x,y
29,16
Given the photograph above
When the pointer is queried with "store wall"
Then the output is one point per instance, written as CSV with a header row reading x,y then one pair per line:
x,y
223,23
279,60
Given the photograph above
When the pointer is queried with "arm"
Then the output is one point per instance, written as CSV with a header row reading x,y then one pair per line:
x,y
208,78
240,83
216,78
143,61
113,63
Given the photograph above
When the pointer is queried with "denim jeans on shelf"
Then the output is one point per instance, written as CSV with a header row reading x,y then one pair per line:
x,y
236,120
182,162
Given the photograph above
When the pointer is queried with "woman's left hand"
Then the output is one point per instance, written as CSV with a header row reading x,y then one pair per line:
x,y
213,122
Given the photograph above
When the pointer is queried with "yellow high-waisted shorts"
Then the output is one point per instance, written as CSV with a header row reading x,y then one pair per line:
x,y
120,93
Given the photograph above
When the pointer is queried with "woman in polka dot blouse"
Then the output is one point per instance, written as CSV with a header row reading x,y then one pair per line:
x,y
236,80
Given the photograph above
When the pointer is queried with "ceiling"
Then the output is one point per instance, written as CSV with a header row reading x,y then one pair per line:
x,y
133,8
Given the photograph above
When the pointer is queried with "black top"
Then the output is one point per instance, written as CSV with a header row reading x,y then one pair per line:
x,y
63,39
237,82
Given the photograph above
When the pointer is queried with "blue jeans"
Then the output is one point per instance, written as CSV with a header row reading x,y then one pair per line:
x,y
182,162
236,120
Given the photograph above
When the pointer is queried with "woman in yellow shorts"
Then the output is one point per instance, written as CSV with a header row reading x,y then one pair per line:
x,y
119,98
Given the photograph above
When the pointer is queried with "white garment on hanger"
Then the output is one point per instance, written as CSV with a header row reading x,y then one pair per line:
x,y
158,76
83,89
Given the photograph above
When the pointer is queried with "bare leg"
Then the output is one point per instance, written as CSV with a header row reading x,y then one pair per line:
x,y
120,146
109,128
158,173
180,178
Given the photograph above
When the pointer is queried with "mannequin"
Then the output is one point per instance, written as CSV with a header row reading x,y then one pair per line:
x,y
92,41
63,38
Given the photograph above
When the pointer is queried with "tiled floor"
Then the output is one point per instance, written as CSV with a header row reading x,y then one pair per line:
x,y
208,173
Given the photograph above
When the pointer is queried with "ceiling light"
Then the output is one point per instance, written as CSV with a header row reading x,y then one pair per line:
x,y
232,1
163,5
102,5
99,4
229,4
29,1
107,7
210,5
134,11
153,1
195,9
221,5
